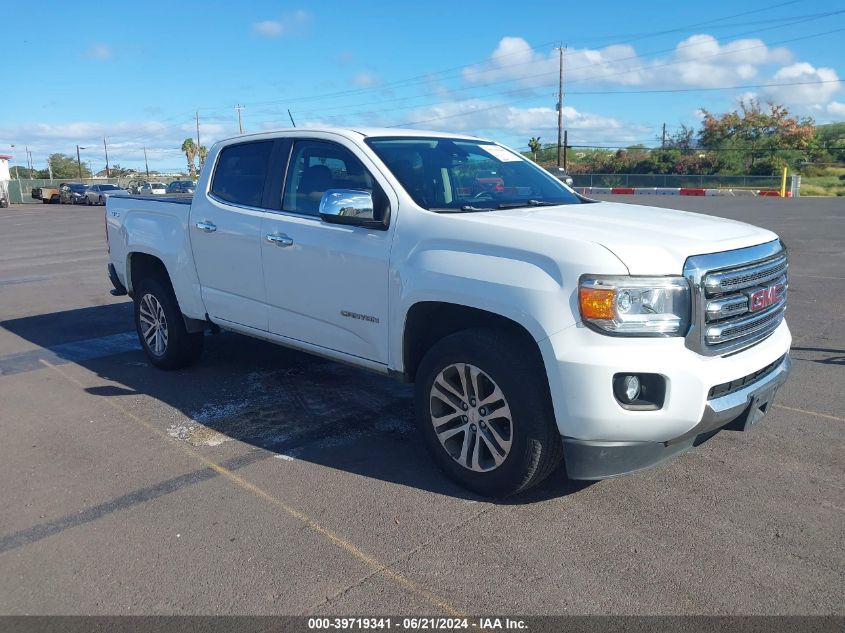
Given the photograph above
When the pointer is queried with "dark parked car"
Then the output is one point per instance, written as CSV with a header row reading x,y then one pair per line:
x,y
181,186
4,199
560,174
72,193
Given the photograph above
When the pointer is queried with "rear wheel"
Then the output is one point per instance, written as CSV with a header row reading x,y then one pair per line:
x,y
161,328
484,411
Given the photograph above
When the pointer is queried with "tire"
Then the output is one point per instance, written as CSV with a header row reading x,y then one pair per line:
x,y
102,202
499,360
43,201
87,201
173,347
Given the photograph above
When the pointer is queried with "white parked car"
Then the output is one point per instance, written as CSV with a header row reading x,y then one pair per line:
x,y
98,194
536,324
153,189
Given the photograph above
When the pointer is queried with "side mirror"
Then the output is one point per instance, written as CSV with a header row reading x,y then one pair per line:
x,y
352,207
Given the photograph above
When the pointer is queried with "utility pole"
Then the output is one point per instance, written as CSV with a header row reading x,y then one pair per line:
x,y
17,174
560,49
107,157
146,165
28,159
239,107
663,141
565,145
79,160
198,130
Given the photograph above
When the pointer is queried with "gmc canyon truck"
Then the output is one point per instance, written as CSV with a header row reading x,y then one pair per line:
x,y
537,325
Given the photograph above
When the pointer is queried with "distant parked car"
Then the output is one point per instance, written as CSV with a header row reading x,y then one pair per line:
x,y
4,200
153,189
72,193
98,194
487,181
560,174
181,186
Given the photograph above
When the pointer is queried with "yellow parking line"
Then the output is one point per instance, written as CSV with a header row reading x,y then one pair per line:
x,y
816,413
339,541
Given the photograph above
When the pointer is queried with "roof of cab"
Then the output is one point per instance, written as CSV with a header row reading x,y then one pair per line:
x,y
365,132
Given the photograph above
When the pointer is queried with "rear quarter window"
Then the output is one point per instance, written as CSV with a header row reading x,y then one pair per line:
x,y
241,171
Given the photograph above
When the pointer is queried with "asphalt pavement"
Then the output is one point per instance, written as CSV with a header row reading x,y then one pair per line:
x,y
266,481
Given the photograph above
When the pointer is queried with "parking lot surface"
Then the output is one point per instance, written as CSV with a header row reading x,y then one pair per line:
x,y
265,481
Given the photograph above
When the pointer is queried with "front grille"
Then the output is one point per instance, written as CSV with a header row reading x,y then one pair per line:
x,y
735,385
741,297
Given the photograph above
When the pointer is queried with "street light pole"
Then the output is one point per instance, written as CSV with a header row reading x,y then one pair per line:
x,y
146,165
79,160
107,157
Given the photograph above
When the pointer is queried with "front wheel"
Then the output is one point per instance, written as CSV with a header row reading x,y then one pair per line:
x,y
483,408
161,328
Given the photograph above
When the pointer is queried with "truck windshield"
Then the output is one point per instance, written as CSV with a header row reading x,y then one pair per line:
x,y
455,175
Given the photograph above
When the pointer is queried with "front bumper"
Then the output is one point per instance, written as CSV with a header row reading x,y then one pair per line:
x,y
739,410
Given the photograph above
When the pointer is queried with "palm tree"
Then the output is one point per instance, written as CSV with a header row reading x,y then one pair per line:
x,y
202,152
190,149
535,146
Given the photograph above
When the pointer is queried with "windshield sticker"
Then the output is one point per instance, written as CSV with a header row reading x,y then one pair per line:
x,y
500,153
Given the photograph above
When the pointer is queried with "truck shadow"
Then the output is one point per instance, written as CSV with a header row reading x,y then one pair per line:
x,y
289,404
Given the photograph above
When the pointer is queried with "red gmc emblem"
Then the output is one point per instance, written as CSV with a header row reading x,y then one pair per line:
x,y
765,297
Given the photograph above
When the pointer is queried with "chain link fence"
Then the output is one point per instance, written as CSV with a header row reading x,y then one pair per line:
x,y
677,180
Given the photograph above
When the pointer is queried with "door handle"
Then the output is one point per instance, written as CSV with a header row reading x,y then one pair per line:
x,y
279,239
208,227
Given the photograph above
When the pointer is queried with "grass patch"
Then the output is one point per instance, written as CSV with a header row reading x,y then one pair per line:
x,y
827,183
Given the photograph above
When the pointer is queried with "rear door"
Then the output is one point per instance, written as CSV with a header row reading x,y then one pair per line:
x,y
327,284
226,233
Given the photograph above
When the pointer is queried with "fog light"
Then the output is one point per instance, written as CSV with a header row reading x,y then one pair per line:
x,y
630,388
639,392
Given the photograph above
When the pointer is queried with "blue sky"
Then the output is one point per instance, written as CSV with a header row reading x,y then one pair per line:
x,y
75,72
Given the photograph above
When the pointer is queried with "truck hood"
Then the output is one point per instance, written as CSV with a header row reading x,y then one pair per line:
x,y
648,240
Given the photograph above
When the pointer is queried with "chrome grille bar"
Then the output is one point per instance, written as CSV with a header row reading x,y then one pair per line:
x,y
740,278
739,297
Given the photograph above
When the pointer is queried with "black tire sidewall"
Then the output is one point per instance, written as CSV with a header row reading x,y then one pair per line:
x,y
526,391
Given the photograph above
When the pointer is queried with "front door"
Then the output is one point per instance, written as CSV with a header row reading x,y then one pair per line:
x,y
326,284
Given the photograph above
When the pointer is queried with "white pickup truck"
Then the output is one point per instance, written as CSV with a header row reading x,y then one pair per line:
x,y
536,324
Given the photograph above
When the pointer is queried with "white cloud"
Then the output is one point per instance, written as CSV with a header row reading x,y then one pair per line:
x,y
268,28
836,108
293,24
699,60
495,118
126,140
365,79
99,51
811,93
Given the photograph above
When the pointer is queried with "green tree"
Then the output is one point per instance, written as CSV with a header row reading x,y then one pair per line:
x,y
535,146
66,166
745,136
202,152
190,149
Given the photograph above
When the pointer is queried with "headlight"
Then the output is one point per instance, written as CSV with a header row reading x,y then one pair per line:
x,y
635,306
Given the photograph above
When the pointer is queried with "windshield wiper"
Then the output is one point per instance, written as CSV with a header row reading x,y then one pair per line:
x,y
528,203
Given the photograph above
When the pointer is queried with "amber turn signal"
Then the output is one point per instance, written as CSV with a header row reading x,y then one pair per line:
x,y
596,303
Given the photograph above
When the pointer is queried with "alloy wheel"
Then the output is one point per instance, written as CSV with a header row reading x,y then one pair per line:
x,y
153,324
471,417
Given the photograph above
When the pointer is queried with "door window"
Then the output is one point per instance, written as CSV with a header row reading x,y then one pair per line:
x,y
241,171
316,166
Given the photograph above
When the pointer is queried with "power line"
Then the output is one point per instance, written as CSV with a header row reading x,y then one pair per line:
x,y
429,75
